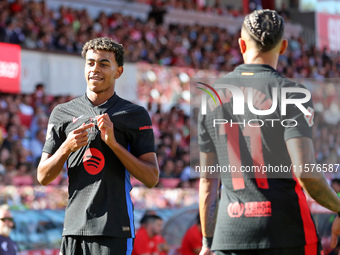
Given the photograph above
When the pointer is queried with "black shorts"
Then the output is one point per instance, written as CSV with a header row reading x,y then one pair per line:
x,y
90,245
310,249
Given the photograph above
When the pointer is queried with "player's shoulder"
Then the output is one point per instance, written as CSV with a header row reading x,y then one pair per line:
x,y
126,106
67,105
288,83
62,110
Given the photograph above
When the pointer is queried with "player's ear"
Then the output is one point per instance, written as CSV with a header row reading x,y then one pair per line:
x,y
242,44
120,70
284,45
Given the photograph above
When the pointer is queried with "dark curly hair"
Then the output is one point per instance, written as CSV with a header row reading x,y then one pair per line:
x,y
105,43
265,27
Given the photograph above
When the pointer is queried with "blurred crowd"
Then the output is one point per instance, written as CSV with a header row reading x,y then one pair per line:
x,y
23,124
33,25
215,8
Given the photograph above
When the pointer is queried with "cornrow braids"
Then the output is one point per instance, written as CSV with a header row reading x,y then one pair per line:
x,y
265,27
105,43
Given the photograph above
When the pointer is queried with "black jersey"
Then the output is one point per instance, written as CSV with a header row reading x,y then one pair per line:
x,y
265,208
99,185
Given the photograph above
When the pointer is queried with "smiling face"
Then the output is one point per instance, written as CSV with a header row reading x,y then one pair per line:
x,y
101,72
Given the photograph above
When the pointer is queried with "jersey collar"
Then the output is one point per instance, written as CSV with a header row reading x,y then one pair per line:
x,y
111,101
255,68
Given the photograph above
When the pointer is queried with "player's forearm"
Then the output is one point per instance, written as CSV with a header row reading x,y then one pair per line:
x,y
321,192
50,166
301,152
208,205
142,170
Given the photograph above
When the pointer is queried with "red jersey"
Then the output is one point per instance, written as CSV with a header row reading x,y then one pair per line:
x,y
192,240
143,243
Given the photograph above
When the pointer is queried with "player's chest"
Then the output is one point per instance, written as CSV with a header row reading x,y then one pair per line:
x,y
75,119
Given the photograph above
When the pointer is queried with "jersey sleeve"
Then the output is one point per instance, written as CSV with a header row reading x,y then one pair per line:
x,y
140,133
300,125
55,135
204,139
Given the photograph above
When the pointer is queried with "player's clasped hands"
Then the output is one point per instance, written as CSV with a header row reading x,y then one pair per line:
x,y
105,126
78,137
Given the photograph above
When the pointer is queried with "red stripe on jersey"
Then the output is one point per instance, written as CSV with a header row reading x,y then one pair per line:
x,y
307,221
254,133
311,249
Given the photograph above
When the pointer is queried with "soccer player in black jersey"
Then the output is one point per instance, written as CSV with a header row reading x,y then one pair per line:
x,y
258,213
103,139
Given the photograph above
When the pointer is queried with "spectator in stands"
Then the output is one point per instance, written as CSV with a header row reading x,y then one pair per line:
x,y
148,240
23,175
7,246
335,184
38,122
37,145
167,171
192,240
161,243
12,135
38,94
157,12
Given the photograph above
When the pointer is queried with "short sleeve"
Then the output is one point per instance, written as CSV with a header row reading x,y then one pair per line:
x,y
55,135
139,130
204,139
297,124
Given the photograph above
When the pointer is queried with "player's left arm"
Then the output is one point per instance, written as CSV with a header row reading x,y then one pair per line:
x,y
144,168
301,152
208,201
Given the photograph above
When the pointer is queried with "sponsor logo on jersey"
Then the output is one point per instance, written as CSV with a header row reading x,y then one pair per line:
x,y
235,210
93,161
250,209
74,120
258,209
310,118
145,127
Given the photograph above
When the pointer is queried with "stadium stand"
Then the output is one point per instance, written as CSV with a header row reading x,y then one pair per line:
x,y
23,117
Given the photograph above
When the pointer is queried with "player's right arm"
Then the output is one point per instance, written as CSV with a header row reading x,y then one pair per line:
x,y
208,200
301,152
50,166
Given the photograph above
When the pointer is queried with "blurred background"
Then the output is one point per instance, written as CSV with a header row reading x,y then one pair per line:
x,y
168,43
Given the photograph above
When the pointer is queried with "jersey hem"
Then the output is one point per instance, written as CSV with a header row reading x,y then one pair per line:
x,y
258,246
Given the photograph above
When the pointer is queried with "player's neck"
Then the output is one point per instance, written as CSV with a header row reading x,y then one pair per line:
x,y
99,98
256,57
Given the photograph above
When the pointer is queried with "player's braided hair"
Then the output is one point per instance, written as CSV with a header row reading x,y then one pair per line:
x,y
105,43
265,27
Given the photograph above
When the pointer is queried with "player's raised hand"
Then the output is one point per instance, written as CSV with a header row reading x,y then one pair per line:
x,y
105,126
78,137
